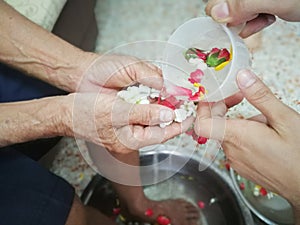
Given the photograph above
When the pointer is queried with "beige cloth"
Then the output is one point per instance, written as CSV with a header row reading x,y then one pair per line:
x,y
42,12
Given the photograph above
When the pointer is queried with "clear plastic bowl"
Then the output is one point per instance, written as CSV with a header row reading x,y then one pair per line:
x,y
204,33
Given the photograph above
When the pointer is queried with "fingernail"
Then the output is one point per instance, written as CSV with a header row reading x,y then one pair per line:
x,y
166,115
270,19
220,11
245,78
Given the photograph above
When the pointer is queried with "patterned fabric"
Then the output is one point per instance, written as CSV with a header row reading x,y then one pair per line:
x,y
43,13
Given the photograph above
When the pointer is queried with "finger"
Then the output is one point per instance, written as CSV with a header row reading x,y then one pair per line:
x,y
149,75
219,109
175,129
203,115
144,136
234,99
204,110
257,24
260,96
210,121
259,118
150,114
237,12
207,126
124,113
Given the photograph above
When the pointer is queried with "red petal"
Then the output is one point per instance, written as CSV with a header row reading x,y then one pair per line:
x,y
175,90
149,212
163,220
167,104
116,211
202,140
201,205
263,191
170,102
227,166
202,89
224,53
201,54
214,51
242,186
195,97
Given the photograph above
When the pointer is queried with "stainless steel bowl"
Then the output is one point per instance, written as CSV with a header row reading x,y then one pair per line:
x,y
211,186
271,210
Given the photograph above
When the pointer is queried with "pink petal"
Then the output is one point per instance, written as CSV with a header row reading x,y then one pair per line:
x,y
196,76
175,90
201,204
167,104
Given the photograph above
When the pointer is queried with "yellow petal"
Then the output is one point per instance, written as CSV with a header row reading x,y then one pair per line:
x,y
221,66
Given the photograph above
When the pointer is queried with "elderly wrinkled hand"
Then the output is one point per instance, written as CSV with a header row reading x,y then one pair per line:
x,y
256,14
101,117
117,72
265,148
109,121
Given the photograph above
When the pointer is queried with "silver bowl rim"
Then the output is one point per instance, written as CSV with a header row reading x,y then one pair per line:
x,y
169,149
247,203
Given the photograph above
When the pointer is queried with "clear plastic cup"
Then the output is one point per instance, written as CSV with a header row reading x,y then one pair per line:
x,y
204,33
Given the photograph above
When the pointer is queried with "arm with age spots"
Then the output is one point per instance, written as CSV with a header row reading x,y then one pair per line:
x,y
37,52
103,119
30,48
265,148
30,120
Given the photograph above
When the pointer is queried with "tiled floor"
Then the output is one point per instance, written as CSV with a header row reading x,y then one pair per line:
x,y
276,61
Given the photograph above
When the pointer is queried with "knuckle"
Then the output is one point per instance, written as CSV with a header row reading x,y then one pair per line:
x,y
146,116
261,95
236,133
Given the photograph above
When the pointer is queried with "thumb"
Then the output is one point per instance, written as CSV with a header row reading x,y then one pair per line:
x,y
260,96
237,12
152,114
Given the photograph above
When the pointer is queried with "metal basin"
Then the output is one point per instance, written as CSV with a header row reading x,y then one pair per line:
x,y
211,186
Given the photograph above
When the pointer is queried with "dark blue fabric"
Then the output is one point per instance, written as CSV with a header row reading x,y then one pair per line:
x,y
31,195
15,86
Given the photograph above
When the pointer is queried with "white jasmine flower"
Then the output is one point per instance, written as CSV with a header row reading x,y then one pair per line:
x,y
144,102
163,125
180,115
154,93
136,95
195,61
202,65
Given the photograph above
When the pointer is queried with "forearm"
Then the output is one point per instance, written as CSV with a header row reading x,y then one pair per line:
x,y
28,47
30,120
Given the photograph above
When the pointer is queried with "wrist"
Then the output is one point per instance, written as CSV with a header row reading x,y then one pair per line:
x,y
40,54
31,120
83,63
64,121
